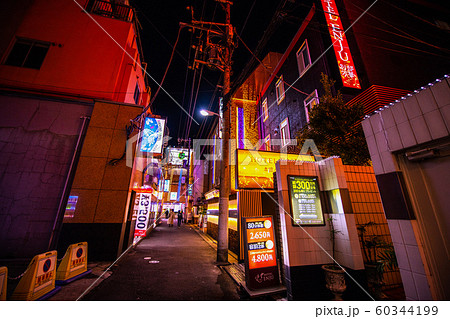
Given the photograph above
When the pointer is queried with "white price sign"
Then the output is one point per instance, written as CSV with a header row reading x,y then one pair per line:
x,y
142,214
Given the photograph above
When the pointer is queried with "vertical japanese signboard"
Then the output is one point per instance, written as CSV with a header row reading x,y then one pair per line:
x,y
261,267
166,185
304,199
142,214
340,45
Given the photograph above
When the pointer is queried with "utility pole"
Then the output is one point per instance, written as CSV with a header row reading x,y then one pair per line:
x,y
224,190
218,56
187,208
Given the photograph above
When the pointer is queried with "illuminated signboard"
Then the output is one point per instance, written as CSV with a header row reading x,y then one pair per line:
x,y
70,207
166,185
152,135
340,45
254,169
212,194
173,195
260,252
142,214
305,201
175,156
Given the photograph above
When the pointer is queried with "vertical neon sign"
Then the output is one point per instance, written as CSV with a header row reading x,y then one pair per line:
x,y
340,45
240,127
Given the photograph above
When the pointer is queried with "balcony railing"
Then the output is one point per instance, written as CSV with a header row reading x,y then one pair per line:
x,y
110,10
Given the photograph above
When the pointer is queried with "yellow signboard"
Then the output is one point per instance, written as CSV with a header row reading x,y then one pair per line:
x,y
254,169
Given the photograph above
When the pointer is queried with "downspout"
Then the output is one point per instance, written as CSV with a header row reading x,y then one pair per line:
x,y
57,225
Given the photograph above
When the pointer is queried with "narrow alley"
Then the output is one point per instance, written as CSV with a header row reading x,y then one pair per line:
x,y
170,264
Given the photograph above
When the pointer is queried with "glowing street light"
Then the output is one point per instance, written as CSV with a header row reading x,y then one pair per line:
x,y
208,113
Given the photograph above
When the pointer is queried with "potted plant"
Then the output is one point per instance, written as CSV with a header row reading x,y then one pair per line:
x,y
378,255
334,274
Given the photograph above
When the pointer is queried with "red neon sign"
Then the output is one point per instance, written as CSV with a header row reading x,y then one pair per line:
x,y
340,45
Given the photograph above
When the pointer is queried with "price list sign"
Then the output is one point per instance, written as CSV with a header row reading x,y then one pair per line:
x,y
260,252
305,201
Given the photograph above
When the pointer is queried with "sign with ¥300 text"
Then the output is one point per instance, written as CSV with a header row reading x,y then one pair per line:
x,y
304,199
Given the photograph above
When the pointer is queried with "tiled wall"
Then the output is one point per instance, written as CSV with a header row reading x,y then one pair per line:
x,y
367,207
311,245
102,189
415,119
409,260
414,122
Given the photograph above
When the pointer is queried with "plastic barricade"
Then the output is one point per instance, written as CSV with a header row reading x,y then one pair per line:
x,y
38,281
74,264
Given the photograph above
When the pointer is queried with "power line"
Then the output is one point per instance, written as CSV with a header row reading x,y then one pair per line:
x,y
167,68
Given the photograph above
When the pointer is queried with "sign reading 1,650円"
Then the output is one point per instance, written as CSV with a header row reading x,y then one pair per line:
x,y
305,201
260,243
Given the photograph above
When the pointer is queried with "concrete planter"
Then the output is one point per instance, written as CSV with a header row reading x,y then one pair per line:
x,y
335,279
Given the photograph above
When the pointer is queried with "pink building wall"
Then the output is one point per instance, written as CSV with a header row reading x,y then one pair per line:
x,y
84,59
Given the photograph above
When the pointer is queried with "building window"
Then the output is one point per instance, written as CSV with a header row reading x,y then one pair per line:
x,y
280,90
28,54
137,94
311,101
284,130
303,58
267,143
265,110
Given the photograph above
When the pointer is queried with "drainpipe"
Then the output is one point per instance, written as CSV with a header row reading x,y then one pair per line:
x,y
57,225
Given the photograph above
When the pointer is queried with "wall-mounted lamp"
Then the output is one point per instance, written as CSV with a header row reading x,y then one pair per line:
x,y
422,154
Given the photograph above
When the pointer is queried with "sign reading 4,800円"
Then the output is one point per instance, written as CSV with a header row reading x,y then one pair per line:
x,y
260,243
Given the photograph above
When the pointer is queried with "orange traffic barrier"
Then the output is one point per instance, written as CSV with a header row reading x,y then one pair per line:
x,y
38,280
73,265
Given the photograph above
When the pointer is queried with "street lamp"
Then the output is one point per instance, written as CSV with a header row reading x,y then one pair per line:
x,y
208,113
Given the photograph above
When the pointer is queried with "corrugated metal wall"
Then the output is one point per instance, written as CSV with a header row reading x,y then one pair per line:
x,y
249,205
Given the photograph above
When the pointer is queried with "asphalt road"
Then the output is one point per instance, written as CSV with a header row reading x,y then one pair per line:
x,y
171,264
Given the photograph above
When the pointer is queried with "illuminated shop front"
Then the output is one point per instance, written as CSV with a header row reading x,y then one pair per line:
x,y
254,171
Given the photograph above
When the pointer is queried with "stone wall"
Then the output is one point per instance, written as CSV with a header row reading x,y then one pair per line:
x,y
37,142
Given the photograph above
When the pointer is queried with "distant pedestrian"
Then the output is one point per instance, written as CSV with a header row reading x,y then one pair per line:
x,y
180,217
170,220
166,213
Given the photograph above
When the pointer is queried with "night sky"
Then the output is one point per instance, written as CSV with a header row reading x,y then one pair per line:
x,y
160,24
